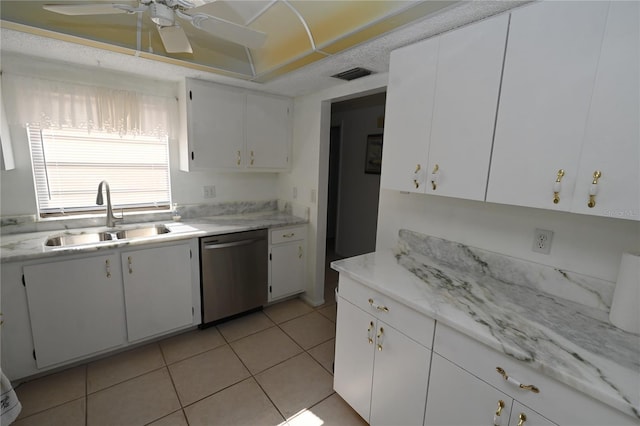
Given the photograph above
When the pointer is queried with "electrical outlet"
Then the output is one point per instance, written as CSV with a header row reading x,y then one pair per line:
x,y
209,191
542,241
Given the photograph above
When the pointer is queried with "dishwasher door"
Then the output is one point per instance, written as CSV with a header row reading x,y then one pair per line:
x,y
234,270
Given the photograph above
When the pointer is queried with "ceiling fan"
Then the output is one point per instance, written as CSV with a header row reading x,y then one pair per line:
x,y
164,13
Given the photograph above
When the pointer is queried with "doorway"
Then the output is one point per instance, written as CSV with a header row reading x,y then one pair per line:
x,y
353,186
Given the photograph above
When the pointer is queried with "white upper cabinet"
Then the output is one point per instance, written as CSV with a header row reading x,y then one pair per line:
x,y
409,108
466,98
268,131
612,139
441,105
550,67
235,129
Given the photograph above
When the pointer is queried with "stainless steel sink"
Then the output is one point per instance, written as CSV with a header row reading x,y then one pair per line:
x,y
148,231
97,237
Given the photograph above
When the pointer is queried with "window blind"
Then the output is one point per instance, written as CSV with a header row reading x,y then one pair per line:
x,y
68,165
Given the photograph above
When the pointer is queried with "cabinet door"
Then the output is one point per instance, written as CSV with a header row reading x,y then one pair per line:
x,y
353,367
409,109
157,290
466,99
76,307
550,65
216,125
521,415
287,269
458,398
400,378
268,131
612,140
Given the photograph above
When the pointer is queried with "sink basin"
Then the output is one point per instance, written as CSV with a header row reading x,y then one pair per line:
x,y
148,231
97,237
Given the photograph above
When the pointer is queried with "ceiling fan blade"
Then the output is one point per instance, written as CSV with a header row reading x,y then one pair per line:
x,y
85,9
229,30
174,40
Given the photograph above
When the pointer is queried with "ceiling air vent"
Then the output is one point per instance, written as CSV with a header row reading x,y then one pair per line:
x,y
352,74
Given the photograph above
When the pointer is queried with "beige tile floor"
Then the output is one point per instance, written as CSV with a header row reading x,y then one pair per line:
x,y
268,368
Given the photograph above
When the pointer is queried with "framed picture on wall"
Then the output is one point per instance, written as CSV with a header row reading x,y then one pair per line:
x,y
373,156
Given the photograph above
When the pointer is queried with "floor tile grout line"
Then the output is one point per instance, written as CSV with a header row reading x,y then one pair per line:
x,y
128,380
53,407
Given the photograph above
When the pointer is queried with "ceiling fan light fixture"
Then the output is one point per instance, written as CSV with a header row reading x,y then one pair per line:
x,y
161,14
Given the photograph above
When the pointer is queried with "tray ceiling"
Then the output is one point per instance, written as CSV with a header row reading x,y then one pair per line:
x,y
299,32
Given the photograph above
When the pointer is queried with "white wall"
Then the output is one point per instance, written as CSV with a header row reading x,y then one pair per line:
x,y
17,194
312,115
358,194
588,245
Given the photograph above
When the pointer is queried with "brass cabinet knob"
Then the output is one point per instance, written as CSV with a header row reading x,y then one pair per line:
x,y
379,337
416,180
239,159
434,177
378,307
557,186
593,191
108,267
497,420
370,333
522,418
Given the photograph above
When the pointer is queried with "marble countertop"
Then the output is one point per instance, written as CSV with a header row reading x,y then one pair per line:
x,y
31,245
570,342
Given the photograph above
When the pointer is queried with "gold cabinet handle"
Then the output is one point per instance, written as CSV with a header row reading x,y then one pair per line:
x,y
504,375
378,307
289,235
434,177
300,253
130,265
416,182
108,267
557,186
521,419
370,333
252,158
379,338
593,191
497,420
239,159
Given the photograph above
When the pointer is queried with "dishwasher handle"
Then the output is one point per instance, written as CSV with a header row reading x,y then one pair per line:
x,y
231,244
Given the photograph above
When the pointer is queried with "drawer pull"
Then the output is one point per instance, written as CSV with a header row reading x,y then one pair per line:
x,y
380,333
522,418
503,373
370,333
434,177
497,420
378,307
289,235
130,265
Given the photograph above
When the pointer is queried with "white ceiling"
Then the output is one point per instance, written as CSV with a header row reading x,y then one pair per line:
x,y
373,54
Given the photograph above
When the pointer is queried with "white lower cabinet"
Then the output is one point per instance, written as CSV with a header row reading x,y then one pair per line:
x,y
458,398
157,290
287,247
381,372
76,307
86,305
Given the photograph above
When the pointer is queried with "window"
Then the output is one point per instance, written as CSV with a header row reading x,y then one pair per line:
x,y
80,135
68,165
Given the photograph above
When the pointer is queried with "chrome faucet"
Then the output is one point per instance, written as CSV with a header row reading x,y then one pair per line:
x,y
111,219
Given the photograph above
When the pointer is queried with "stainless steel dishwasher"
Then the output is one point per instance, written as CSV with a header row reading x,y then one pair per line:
x,y
233,271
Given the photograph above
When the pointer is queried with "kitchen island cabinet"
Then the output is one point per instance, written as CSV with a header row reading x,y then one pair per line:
x,y
379,370
76,307
157,290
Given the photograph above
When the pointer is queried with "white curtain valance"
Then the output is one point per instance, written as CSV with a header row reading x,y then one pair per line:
x,y
49,103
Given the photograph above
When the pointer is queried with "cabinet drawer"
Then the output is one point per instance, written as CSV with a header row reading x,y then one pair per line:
x,y
556,401
412,323
285,235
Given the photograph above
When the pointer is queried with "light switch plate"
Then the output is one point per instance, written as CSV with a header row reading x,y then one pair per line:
x,y
209,191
